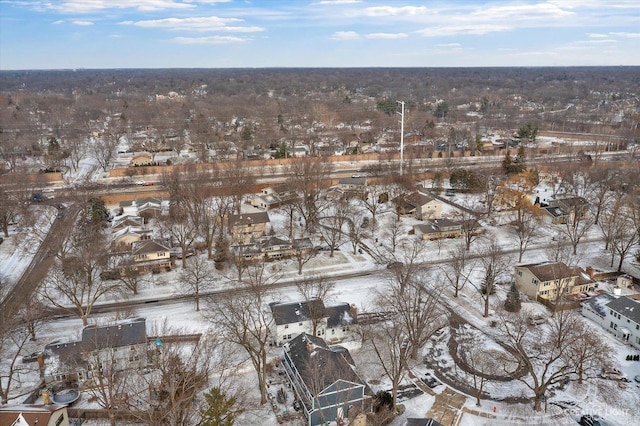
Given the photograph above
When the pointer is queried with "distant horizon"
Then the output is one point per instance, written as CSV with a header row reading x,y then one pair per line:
x,y
266,34
314,68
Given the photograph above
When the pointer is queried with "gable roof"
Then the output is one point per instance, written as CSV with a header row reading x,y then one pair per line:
x,y
320,366
340,315
289,313
248,218
94,337
149,246
29,414
550,271
418,199
627,307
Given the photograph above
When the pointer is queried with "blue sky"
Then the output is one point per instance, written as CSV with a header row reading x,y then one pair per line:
x,y
54,34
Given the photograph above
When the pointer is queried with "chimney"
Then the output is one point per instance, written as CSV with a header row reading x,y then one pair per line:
x,y
354,312
590,271
310,346
297,312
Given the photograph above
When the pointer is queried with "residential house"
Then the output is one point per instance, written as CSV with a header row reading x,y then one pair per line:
x,y
271,248
151,254
324,380
548,280
420,205
132,208
245,227
556,215
439,228
620,316
34,415
574,206
274,196
123,238
126,221
332,323
121,346
354,186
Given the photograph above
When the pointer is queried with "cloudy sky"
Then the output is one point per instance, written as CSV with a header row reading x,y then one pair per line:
x,y
44,34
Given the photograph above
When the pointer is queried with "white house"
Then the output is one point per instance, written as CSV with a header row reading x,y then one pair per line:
x,y
331,323
619,316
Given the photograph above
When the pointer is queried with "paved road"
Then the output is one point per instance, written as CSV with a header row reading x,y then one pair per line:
x,y
39,266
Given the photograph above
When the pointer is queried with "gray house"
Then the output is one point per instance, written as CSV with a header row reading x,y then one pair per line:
x,y
120,346
324,380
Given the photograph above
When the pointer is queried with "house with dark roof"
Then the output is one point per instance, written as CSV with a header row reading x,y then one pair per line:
x,y
312,317
121,346
272,248
436,229
573,206
549,280
622,319
245,227
419,205
556,215
595,308
324,380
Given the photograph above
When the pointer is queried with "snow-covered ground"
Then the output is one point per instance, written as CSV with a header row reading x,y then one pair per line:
x,y
361,291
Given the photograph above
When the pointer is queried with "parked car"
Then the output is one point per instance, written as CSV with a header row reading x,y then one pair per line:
x,y
394,265
637,379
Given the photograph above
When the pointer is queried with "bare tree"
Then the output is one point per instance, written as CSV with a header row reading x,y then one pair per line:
x,y
526,223
14,335
197,278
415,306
243,319
313,290
303,252
104,148
494,263
75,284
458,269
576,227
309,176
548,354
392,348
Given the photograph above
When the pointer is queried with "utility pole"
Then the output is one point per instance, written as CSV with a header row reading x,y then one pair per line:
x,y
401,136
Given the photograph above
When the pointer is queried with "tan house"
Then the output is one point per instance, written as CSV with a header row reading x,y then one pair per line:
x,y
419,205
125,237
150,250
246,227
34,415
439,228
548,280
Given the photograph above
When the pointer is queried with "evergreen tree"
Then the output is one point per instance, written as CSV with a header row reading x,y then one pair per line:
x,y
512,302
507,162
221,410
97,212
222,252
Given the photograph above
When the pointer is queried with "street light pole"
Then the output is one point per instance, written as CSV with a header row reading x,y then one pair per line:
x,y
401,136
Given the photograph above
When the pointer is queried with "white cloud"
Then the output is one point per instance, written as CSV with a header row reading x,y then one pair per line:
x,y
523,12
345,35
625,35
597,35
82,23
339,2
394,11
449,45
210,40
388,36
453,30
207,23
89,6
58,22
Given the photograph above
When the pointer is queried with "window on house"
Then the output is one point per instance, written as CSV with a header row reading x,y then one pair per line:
x,y
300,324
286,326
